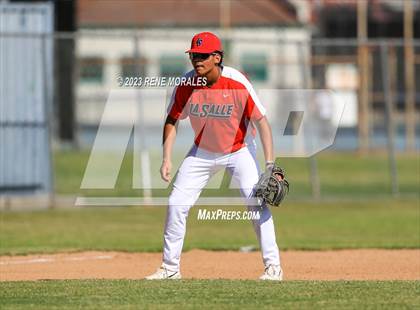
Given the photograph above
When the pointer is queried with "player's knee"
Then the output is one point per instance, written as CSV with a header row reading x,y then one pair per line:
x,y
176,216
176,201
179,198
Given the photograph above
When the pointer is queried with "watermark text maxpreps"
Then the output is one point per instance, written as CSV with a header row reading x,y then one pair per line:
x,y
224,215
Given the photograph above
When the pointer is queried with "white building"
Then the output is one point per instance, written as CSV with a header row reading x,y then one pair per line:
x,y
149,39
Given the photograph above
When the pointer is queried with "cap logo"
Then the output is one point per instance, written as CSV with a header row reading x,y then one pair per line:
x,y
199,42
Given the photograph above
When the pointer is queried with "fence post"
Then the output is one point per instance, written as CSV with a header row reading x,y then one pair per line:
x,y
363,69
389,118
144,156
306,83
410,85
47,123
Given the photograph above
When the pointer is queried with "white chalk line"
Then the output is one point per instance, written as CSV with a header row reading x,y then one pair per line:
x,y
52,260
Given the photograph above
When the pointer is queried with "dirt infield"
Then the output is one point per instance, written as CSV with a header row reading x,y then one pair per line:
x,y
298,265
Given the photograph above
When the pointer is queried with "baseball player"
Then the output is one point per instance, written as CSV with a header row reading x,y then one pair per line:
x,y
224,115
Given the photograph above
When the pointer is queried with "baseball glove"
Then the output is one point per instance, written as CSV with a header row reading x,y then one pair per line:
x,y
272,186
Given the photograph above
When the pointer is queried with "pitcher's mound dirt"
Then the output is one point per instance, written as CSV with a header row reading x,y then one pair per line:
x,y
197,264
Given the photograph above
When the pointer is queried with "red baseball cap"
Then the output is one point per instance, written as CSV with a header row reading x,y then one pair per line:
x,y
205,42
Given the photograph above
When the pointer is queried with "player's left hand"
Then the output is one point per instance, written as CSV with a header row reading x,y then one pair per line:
x,y
272,186
269,168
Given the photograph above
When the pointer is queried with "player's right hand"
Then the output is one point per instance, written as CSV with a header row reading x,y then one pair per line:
x,y
165,170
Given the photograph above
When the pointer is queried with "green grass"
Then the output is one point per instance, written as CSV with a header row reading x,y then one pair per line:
x,y
219,294
341,175
348,221
387,223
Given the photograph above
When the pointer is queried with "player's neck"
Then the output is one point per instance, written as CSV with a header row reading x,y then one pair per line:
x,y
213,76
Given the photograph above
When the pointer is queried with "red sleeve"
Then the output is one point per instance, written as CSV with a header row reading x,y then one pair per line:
x,y
177,106
251,110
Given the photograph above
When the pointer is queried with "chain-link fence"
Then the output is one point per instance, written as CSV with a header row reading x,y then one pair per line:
x,y
378,80
270,63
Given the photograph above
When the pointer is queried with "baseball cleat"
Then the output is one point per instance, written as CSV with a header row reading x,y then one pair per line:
x,y
273,273
164,274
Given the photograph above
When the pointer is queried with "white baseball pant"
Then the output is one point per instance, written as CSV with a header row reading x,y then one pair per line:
x,y
194,173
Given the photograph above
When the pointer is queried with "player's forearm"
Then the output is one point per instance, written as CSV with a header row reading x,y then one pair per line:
x,y
266,136
169,134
